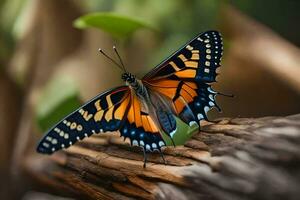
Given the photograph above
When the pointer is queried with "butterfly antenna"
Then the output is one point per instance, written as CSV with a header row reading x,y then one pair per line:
x,y
115,49
112,60
226,95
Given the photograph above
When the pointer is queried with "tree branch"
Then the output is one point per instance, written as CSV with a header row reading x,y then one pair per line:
x,y
238,158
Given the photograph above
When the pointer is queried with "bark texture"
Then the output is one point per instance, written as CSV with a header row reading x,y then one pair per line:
x,y
239,158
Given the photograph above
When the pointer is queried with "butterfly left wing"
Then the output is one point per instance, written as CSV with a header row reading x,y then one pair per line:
x,y
103,113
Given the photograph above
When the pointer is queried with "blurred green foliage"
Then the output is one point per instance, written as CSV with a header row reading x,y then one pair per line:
x,y
281,16
182,134
118,26
9,12
59,98
178,21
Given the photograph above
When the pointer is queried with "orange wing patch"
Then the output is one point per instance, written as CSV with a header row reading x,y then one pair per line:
x,y
186,70
187,73
136,106
189,90
180,92
109,113
152,125
119,113
113,111
179,104
141,118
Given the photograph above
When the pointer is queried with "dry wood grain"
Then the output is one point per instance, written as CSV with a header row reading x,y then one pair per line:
x,y
240,158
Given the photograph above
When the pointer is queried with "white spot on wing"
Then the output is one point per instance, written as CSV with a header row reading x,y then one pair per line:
x,y
192,123
173,132
61,133
142,143
148,147
200,116
206,109
54,141
154,146
134,143
211,90
161,143
189,47
211,103
45,144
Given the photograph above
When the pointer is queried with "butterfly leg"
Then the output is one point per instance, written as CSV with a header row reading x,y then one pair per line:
x,y
199,127
162,156
172,141
145,157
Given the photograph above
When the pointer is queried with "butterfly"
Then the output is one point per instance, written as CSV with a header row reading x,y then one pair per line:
x,y
144,108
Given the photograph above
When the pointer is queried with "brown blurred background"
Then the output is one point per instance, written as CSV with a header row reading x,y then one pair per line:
x,y
41,53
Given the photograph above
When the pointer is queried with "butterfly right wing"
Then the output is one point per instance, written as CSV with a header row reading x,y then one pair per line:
x,y
190,100
197,61
185,77
103,113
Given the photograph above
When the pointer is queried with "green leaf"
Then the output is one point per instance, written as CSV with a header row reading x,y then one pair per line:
x,y
183,133
118,26
59,98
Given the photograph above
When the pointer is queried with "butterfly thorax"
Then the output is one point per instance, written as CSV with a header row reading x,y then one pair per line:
x,y
135,84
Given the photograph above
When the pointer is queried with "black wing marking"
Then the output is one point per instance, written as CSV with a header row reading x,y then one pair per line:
x,y
197,60
103,113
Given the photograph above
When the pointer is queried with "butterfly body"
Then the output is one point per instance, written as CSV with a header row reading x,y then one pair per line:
x,y
145,108
154,105
136,85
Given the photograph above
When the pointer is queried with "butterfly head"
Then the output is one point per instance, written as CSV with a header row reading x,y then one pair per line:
x,y
128,77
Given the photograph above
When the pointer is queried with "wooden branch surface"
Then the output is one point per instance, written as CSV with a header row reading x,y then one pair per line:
x,y
238,158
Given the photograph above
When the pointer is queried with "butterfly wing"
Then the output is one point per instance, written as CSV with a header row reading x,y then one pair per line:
x,y
103,113
189,100
197,60
185,77
140,126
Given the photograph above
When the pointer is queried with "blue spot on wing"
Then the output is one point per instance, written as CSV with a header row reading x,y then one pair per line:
x,y
138,136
